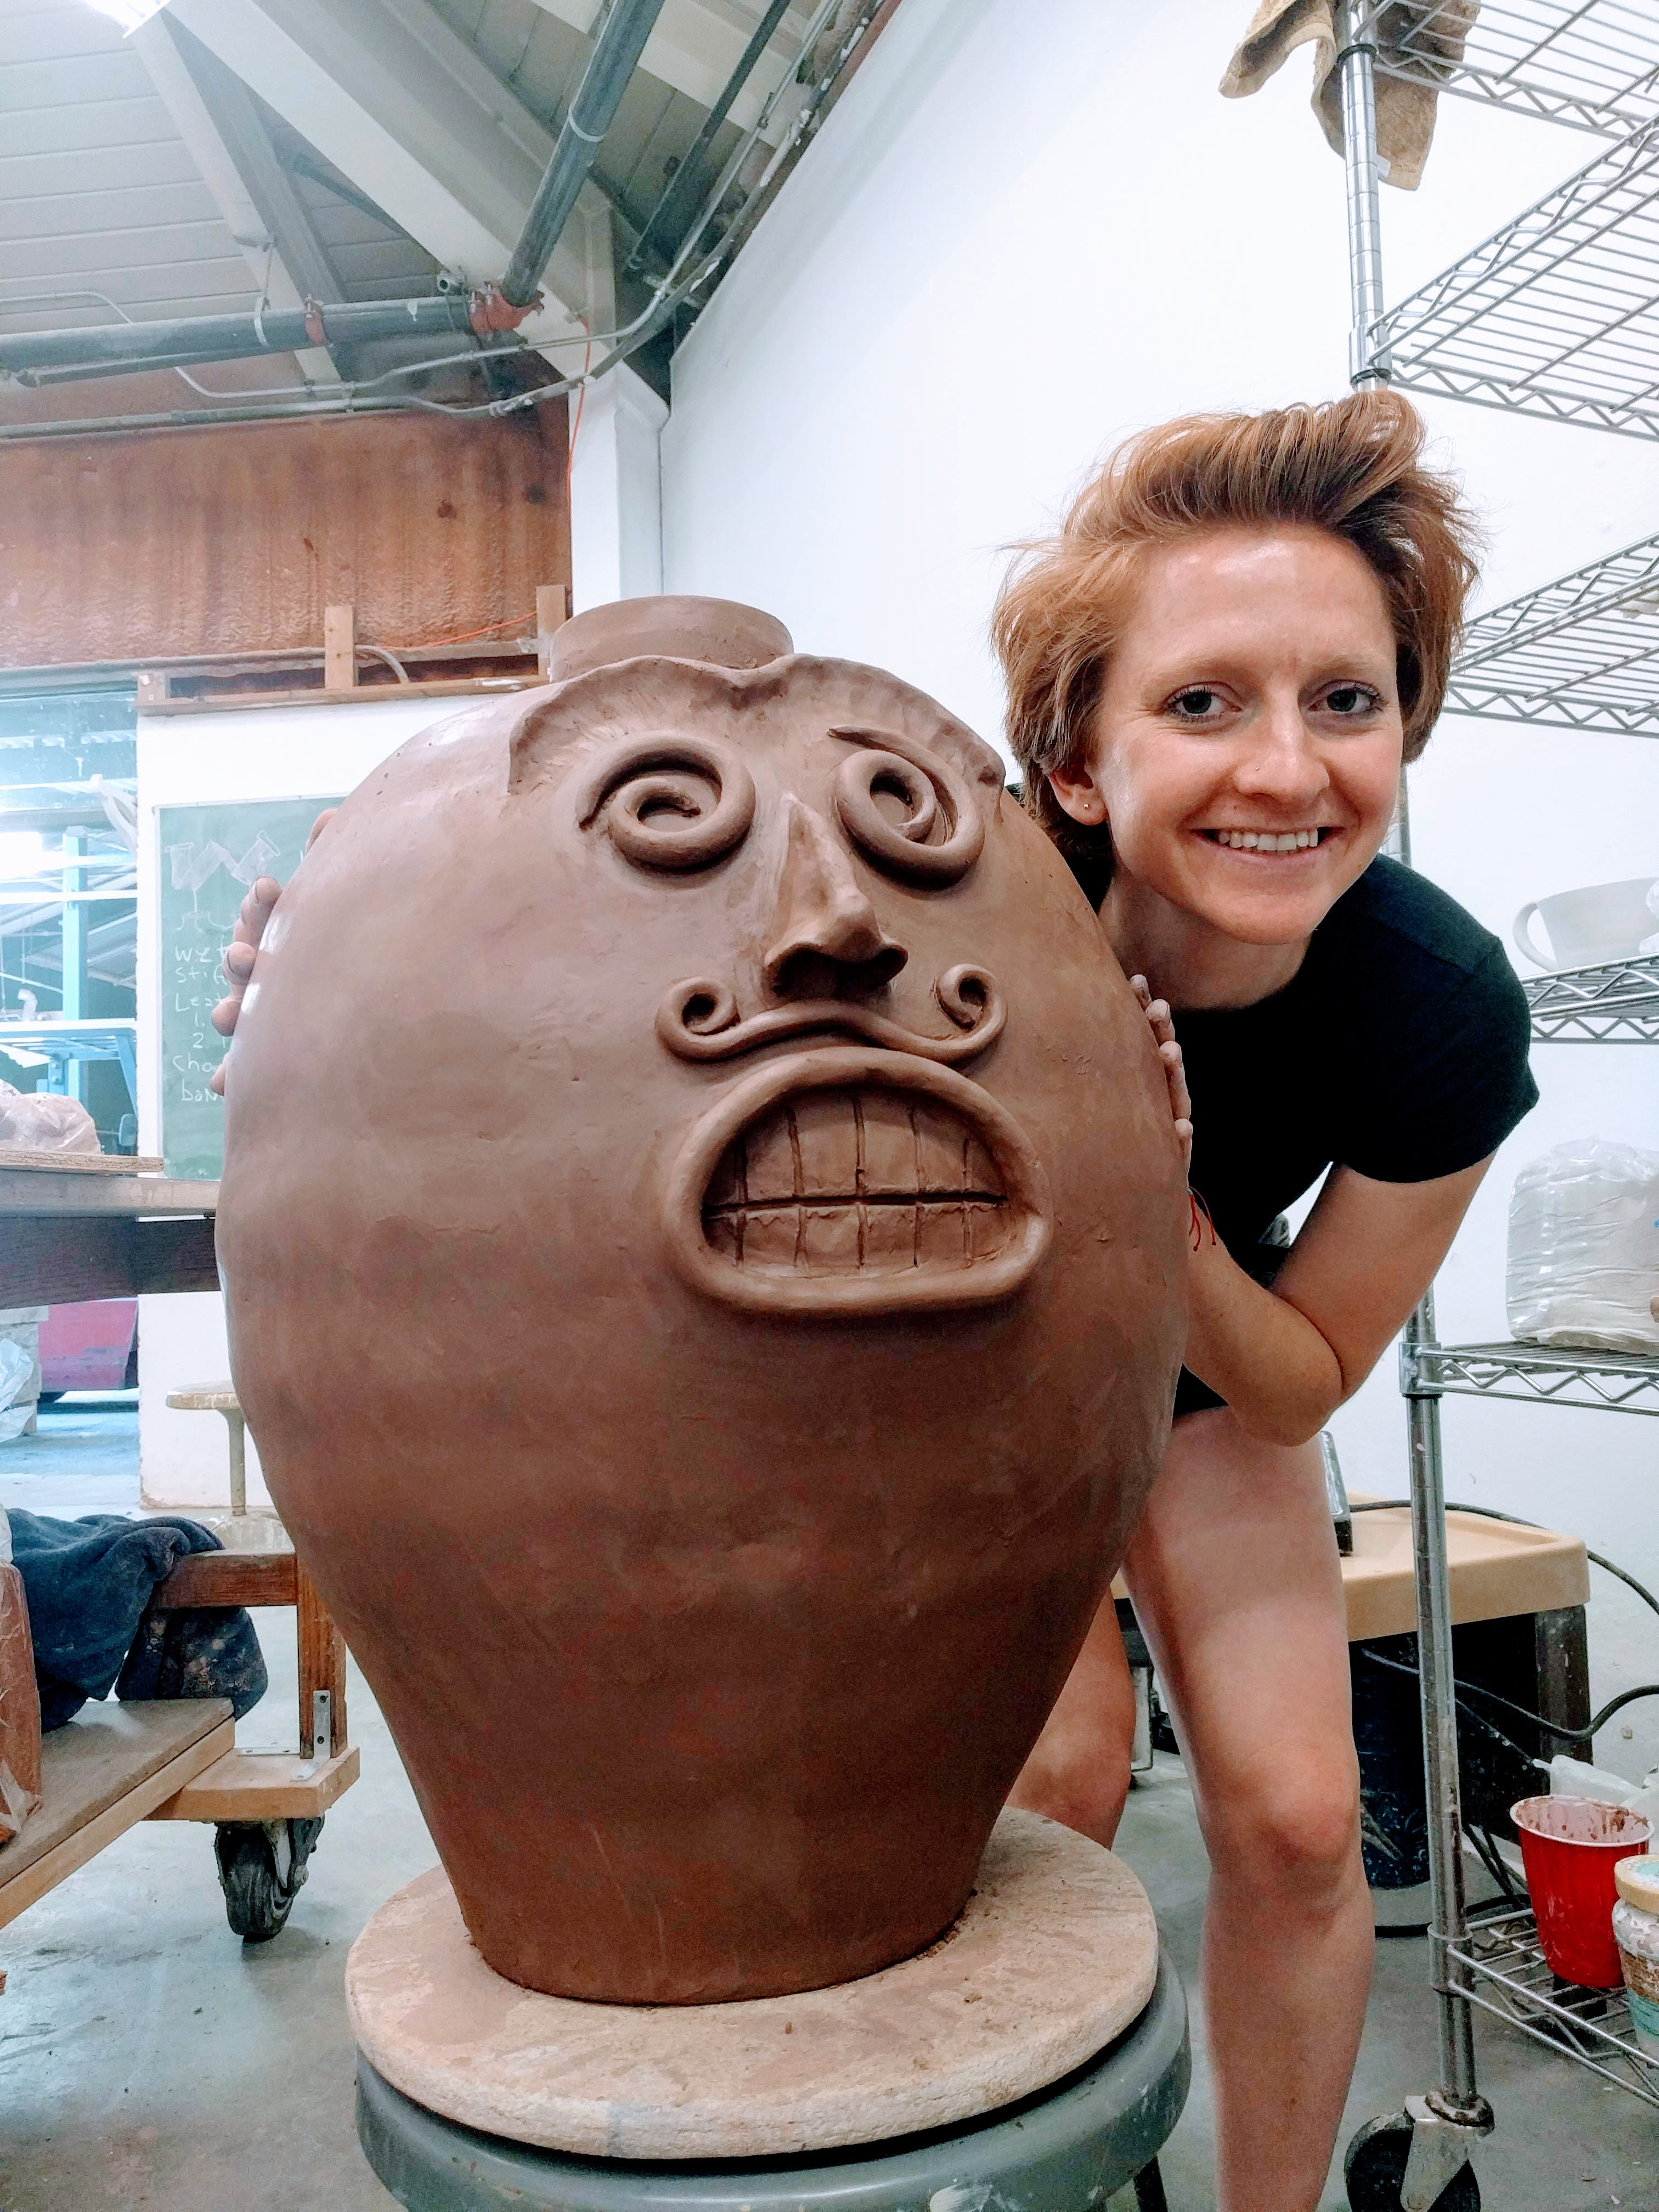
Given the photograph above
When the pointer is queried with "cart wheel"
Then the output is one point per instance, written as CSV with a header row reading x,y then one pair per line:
x,y
262,1868
1375,2170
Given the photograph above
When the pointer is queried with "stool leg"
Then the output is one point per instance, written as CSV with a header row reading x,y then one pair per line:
x,y
238,1427
1149,2190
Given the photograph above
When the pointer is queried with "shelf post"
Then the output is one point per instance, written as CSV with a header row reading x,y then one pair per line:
x,y
1459,2100
75,950
1356,60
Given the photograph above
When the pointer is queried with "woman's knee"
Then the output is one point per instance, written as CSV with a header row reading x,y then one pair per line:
x,y
1294,1831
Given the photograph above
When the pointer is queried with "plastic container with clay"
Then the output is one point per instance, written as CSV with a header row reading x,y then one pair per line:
x,y
1636,1931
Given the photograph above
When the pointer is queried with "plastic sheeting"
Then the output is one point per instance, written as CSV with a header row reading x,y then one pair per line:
x,y
1583,1256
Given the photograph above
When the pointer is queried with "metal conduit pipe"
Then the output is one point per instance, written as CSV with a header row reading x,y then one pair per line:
x,y
616,54
118,347
675,206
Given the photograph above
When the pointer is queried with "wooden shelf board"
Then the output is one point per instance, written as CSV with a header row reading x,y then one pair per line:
x,y
101,1775
262,1785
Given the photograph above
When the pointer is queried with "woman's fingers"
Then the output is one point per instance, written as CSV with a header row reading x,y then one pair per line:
x,y
240,957
1175,1074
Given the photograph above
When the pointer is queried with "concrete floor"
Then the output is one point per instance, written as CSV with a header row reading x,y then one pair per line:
x,y
148,2059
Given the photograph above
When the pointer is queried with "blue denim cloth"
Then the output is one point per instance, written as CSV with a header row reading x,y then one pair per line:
x,y
88,1582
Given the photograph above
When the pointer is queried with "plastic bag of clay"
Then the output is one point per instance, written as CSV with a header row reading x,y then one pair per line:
x,y
20,1709
1584,1258
15,1369
1570,1777
41,1122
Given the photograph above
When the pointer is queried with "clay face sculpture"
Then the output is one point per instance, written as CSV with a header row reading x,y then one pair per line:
x,y
701,1235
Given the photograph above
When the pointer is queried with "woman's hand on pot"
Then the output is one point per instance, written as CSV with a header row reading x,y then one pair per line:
x,y
1161,1024
242,953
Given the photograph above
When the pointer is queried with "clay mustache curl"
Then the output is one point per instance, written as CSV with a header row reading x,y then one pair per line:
x,y
698,1020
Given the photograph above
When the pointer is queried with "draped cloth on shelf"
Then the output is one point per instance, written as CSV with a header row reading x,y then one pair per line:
x,y
1420,34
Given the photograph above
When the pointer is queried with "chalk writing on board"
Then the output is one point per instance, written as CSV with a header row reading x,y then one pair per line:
x,y
210,855
193,864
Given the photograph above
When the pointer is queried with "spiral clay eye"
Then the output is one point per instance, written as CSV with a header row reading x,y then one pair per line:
x,y
924,788
671,802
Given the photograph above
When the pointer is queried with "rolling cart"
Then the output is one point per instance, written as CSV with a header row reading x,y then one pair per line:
x,y
1554,317
92,1226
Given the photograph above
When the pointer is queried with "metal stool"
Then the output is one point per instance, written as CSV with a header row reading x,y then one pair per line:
x,y
1066,2148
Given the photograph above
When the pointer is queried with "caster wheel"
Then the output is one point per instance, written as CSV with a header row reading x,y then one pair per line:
x,y
262,1866
1374,2171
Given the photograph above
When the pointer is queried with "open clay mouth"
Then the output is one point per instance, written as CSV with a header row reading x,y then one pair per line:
x,y
856,1180
848,1182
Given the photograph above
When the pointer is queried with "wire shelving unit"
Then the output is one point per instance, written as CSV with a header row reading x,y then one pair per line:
x,y
1617,1004
1541,1374
1509,1976
1593,67
1555,316
1579,653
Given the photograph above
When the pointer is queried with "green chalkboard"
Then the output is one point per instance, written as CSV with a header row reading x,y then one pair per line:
x,y
209,857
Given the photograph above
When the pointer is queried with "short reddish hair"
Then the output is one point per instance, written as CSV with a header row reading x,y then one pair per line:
x,y
1353,466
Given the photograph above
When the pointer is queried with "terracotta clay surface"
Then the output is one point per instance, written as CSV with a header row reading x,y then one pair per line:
x,y
1055,1954
19,1709
703,1238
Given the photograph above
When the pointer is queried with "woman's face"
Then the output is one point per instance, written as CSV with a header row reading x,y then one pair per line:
x,y
1247,749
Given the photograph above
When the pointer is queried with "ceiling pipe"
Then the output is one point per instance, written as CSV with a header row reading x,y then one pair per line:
x,y
117,349
615,55
690,178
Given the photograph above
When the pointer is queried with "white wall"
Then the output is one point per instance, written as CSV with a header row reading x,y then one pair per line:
x,y
275,752
616,492
1008,247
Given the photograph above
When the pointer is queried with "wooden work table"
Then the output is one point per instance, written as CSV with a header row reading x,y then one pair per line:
x,y
100,1227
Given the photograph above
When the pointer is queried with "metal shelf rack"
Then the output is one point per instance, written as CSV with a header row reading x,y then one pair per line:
x,y
1617,1004
1594,66
1557,316
1534,1374
1506,1975
1579,653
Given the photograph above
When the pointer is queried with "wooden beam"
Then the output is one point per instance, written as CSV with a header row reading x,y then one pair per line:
x,y
229,1579
552,610
339,648
230,702
322,1663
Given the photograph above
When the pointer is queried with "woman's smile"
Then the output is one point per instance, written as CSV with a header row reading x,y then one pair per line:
x,y
1273,844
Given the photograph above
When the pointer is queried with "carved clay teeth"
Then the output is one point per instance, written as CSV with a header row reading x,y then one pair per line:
x,y
837,1184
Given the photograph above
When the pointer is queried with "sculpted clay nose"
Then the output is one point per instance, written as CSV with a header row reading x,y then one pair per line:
x,y
823,914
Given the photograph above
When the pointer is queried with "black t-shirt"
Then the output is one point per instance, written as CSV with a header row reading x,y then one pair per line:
x,y
1398,1049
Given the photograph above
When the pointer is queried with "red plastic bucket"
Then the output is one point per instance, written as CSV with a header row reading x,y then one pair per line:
x,y
1570,1847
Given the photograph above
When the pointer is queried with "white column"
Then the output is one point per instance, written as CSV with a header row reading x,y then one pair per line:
x,y
616,492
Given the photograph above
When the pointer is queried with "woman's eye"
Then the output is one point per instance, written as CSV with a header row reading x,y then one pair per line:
x,y
1352,699
1198,703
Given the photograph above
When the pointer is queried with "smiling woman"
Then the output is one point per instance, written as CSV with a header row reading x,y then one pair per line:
x,y
1216,669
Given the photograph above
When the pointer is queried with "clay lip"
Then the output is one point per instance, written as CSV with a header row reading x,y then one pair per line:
x,y
979,1232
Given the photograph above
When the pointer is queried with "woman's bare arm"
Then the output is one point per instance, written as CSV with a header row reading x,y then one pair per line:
x,y
1285,1359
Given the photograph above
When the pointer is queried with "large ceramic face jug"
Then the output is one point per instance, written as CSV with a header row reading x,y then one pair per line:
x,y
702,1238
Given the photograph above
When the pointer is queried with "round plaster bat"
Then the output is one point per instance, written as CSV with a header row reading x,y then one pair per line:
x,y
703,1238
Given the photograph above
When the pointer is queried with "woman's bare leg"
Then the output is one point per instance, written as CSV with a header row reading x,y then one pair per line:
x,y
1078,1769
1237,1588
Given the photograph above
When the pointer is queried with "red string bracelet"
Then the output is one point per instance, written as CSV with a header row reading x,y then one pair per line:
x,y
1200,1219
